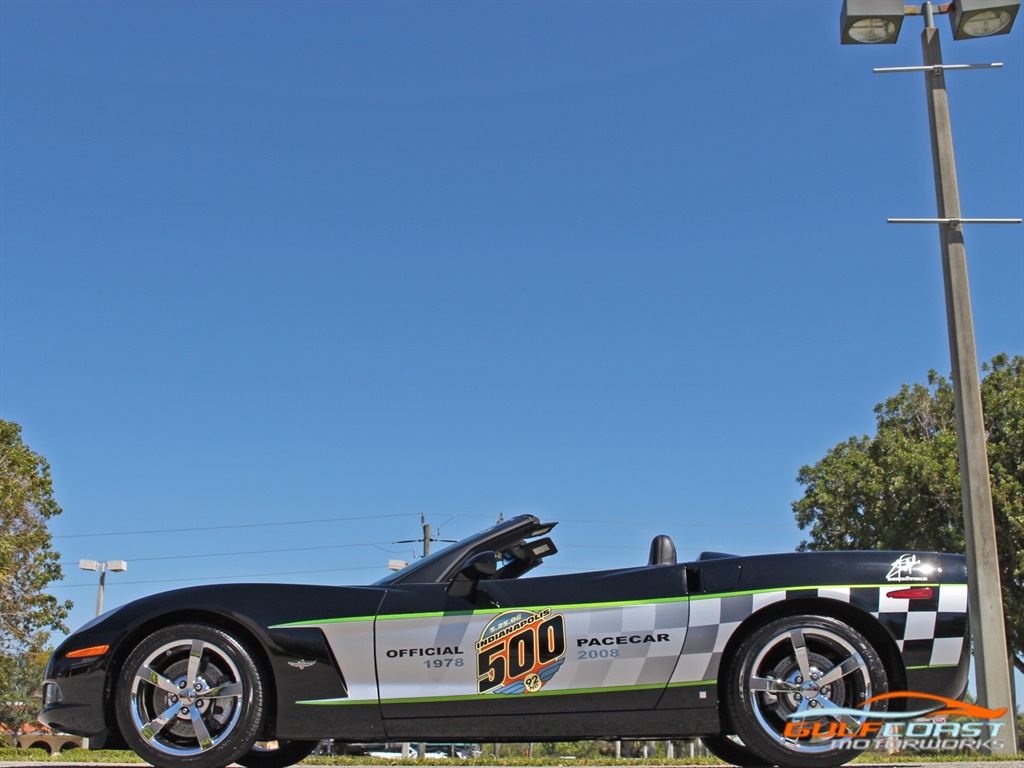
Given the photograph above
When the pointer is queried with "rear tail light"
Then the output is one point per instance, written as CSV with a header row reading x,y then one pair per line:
x,y
912,593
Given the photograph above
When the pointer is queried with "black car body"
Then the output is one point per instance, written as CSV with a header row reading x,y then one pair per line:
x,y
456,647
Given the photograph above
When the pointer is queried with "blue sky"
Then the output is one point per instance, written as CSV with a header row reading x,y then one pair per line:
x,y
278,278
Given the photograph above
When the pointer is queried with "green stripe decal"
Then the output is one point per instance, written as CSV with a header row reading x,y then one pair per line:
x,y
485,612
338,702
592,606
318,622
484,697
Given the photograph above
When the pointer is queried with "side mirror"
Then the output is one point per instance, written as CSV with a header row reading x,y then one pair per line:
x,y
478,567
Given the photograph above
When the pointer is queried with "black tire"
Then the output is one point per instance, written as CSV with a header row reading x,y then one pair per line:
x,y
733,752
801,664
189,696
286,753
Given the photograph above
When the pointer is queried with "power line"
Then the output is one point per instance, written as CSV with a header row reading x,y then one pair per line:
x,y
648,523
378,544
230,527
232,576
733,550
645,523
250,552
384,543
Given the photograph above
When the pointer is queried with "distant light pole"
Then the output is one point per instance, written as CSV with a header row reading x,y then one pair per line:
x,y
110,565
879,21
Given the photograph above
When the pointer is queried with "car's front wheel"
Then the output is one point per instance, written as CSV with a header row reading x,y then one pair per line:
x,y
797,687
189,696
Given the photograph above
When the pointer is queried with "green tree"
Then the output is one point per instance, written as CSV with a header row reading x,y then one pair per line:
x,y
901,488
21,689
28,564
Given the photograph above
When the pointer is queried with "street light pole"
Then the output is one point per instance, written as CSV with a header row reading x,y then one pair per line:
x,y
111,565
99,592
983,583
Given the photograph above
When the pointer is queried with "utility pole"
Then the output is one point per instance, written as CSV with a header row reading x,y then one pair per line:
x,y
426,539
421,748
879,21
986,605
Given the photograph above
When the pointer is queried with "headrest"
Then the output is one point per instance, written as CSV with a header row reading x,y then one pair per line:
x,y
663,551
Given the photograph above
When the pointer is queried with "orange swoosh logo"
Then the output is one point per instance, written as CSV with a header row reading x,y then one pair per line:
x,y
947,706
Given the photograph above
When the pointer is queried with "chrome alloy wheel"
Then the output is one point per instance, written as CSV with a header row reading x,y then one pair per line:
x,y
802,669
809,671
186,697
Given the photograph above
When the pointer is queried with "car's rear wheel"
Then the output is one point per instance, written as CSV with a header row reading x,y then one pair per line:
x,y
802,669
189,696
277,754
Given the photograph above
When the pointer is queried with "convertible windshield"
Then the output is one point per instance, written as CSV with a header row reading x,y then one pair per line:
x,y
425,564
506,539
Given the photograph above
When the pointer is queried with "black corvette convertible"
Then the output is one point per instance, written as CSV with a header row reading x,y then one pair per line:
x,y
458,647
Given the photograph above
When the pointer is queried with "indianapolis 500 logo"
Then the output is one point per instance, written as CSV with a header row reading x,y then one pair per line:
x,y
519,651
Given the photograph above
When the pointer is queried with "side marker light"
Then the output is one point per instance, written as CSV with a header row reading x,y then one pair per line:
x,y
83,653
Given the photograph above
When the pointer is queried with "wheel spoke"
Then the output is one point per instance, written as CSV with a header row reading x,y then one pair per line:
x,y
151,729
771,685
796,637
194,657
202,733
151,676
228,690
852,664
849,721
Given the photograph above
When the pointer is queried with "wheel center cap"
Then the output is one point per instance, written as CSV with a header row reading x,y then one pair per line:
x,y
810,690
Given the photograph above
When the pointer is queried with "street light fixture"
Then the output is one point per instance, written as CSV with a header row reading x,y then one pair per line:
x,y
879,21
871,21
982,18
110,565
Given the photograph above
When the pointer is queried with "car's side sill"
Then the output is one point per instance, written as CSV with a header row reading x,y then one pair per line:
x,y
666,723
